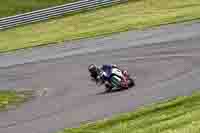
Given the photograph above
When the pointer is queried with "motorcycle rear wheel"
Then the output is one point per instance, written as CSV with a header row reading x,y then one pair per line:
x,y
131,82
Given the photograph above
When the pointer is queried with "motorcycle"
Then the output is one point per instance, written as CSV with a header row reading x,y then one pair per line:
x,y
117,81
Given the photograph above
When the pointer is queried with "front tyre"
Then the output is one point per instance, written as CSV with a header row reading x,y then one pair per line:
x,y
108,87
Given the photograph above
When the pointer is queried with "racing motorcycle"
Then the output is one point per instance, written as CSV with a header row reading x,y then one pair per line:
x,y
118,79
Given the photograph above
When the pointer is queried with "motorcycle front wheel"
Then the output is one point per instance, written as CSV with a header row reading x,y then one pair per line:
x,y
108,87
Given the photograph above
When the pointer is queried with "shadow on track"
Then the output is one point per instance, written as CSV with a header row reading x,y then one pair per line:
x,y
112,91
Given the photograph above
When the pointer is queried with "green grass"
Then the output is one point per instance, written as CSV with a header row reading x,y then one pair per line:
x,y
179,115
136,14
13,7
10,98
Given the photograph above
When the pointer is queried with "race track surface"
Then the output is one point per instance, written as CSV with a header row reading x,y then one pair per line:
x,y
166,62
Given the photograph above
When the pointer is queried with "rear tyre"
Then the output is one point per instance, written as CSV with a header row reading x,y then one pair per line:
x,y
131,83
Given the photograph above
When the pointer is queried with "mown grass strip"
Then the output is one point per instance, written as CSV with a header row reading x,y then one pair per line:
x,y
11,98
136,14
179,115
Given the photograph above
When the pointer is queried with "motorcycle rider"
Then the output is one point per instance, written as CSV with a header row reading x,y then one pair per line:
x,y
107,72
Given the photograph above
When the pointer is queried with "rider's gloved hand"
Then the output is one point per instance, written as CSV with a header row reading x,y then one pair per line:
x,y
101,78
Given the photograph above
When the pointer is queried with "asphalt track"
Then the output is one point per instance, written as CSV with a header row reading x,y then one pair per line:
x,y
166,62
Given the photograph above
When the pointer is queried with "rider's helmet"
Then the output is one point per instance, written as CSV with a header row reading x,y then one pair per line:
x,y
92,68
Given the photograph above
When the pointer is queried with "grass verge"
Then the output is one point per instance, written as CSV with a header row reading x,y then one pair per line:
x,y
13,98
13,7
136,14
179,115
